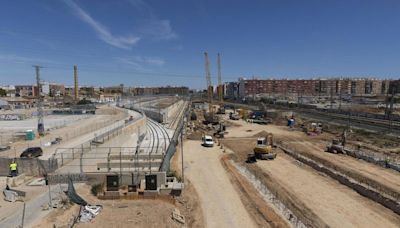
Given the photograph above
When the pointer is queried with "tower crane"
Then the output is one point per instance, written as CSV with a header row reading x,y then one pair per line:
x,y
220,88
209,117
209,85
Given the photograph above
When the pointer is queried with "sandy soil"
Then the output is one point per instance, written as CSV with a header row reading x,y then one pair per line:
x,y
335,204
385,177
316,145
115,213
263,214
332,203
220,202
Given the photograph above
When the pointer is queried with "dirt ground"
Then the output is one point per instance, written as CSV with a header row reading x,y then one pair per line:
x,y
333,204
115,213
220,202
316,145
189,202
263,214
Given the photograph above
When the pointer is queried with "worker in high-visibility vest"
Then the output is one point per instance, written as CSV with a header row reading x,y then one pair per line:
x,y
13,168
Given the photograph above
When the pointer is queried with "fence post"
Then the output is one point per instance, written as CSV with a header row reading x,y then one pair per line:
x,y
108,159
120,162
80,160
62,159
73,153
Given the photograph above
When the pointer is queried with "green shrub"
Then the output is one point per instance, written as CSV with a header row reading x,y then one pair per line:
x,y
96,188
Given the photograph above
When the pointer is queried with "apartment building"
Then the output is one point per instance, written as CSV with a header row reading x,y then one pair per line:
x,y
308,87
26,91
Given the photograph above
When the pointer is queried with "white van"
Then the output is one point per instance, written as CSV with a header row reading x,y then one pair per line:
x,y
208,141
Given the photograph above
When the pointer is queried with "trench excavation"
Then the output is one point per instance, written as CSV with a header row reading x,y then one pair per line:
x,y
366,188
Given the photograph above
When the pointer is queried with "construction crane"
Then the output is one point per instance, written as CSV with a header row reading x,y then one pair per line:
x,y
209,85
220,90
209,117
39,103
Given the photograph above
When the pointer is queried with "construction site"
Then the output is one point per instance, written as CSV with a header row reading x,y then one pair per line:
x,y
198,161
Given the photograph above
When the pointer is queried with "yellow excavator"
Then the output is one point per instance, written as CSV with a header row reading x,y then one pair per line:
x,y
263,149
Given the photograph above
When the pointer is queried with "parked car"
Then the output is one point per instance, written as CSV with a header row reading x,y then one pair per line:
x,y
32,152
3,148
208,141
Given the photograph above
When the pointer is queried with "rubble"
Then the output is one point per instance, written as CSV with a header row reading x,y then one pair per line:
x,y
89,212
176,215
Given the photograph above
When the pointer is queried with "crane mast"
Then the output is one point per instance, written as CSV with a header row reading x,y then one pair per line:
x,y
219,88
208,79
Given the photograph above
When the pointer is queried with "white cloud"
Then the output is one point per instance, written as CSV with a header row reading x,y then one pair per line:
x,y
154,61
22,59
156,29
141,63
125,42
159,29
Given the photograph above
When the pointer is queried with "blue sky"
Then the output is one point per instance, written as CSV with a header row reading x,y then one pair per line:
x,y
159,42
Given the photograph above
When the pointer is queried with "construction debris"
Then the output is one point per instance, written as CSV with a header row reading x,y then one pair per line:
x,y
89,212
12,195
176,215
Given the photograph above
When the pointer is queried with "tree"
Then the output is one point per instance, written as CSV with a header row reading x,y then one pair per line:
x,y
3,93
84,102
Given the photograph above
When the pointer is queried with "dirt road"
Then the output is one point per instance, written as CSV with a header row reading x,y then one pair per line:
x,y
220,202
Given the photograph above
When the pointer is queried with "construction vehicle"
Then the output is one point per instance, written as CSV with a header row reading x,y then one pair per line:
x,y
312,128
263,150
221,110
234,116
210,118
220,131
337,145
193,116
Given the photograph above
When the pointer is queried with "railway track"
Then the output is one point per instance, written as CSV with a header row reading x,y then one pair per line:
x,y
376,125
177,117
158,132
164,134
368,123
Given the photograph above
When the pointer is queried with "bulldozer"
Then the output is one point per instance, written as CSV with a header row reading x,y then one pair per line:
x,y
263,150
